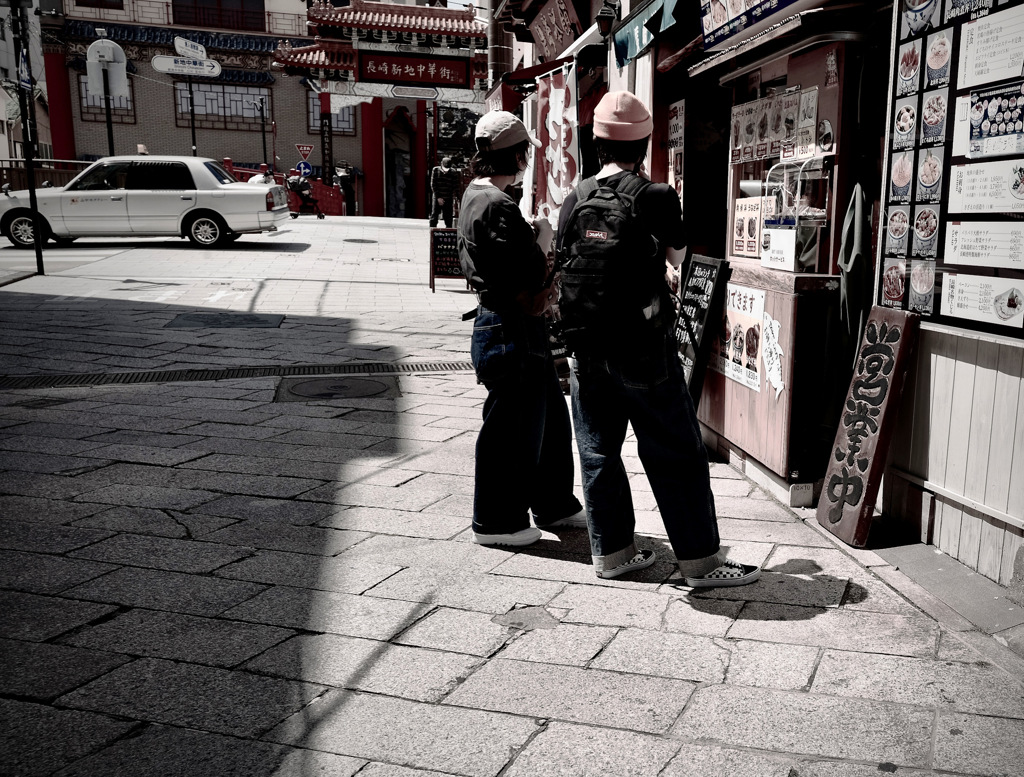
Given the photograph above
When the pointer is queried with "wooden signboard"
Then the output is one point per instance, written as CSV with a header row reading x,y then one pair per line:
x,y
701,291
869,417
444,255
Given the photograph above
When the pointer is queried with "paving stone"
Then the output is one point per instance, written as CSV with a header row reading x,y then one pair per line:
x,y
161,553
692,615
162,751
694,760
44,537
427,554
788,533
42,574
330,612
778,720
41,671
303,571
143,454
59,431
953,649
404,497
564,749
389,770
601,606
465,590
169,591
973,744
251,507
244,432
43,463
866,592
400,522
791,589
179,637
33,444
37,740
866,632
577,695
409,431
407,733
33,484
367,665
765,665
752,509
459,631
39,618
347,441
258,465
565,644
982,689
276,535
580,569
146,439
27,508
660,654
149,496
191,696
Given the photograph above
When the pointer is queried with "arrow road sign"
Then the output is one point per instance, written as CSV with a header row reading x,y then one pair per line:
x,y
188,48
186,66
304,168
304,149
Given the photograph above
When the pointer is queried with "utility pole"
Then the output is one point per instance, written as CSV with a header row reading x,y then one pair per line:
x,y
262,105
108,110
192,115
27,104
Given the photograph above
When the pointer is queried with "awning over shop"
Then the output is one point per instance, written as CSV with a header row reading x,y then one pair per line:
x,y
634,34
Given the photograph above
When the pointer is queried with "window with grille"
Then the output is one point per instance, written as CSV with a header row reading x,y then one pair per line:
x,y
223,106
122,108
246,15
111,4
342,123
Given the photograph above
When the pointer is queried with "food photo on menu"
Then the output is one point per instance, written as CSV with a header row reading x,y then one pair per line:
x,y
933,116
894,282
929,175
919,16
922,285
926,230
939,50
902,176
897,229
905,123
909,68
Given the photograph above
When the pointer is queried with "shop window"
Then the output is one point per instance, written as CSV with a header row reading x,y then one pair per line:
x,y
117,5
342,123
122,108
227,14
222,106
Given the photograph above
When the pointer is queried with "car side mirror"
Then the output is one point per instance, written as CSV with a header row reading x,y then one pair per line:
x,y
6,188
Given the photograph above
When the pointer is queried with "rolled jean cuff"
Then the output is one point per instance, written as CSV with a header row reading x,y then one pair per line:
x,y
616,559
696,567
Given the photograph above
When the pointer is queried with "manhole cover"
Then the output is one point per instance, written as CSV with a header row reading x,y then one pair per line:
x,y
223,321
358,240
339,387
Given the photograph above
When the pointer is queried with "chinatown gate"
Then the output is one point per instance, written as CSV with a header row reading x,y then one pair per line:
x,y
394,64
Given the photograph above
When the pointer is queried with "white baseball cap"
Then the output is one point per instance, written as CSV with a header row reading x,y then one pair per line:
x,y
501,129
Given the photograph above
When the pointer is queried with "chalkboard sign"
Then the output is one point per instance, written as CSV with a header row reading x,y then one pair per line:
x,y
444,255
701,294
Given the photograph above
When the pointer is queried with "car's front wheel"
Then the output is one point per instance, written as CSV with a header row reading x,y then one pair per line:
x,y
20,230
207,230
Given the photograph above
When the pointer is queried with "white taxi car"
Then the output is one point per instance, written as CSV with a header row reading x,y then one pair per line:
x,y
136,196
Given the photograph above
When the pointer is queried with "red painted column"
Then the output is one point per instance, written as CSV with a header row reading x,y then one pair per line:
x,y
58,84
419,162
372,131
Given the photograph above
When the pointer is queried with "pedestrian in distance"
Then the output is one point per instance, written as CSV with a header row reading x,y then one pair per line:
x,y
616,231
444,188
524,463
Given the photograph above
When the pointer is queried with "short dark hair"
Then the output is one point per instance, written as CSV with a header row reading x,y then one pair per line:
x,y
502,161
624,151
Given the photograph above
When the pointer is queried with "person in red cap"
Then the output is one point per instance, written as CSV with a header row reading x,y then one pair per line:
x,y
615,233
524,460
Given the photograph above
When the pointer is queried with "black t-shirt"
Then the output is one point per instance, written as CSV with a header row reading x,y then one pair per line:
x,y
658,207
498,248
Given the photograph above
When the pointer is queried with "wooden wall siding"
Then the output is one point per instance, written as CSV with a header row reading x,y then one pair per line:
x,y
756,422
962,429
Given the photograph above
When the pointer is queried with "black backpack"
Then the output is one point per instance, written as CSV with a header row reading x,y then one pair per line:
x,y
608,276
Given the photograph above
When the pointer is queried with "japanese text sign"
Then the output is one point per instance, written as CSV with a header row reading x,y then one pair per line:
x,y
869,415
387,68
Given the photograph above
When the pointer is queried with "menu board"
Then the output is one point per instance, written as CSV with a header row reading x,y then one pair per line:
x,y
444,255
701,290
952,242
783,126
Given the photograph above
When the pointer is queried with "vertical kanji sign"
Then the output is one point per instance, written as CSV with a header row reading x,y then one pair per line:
x,y
859,454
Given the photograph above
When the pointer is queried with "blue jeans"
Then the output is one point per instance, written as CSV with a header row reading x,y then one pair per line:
x,y
524,450
648,390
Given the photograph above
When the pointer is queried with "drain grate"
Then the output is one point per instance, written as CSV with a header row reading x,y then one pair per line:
x,y
189,376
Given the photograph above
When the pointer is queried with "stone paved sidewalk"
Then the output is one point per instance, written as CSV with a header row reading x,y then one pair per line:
x,y
198,578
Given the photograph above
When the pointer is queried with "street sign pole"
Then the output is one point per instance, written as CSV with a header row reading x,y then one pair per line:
x,y
108,111
263,126
192,115
27,104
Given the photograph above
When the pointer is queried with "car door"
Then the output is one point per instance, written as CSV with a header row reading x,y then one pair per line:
x,y
94,203
159,192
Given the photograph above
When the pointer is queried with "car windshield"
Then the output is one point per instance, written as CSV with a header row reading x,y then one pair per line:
x,y
222,175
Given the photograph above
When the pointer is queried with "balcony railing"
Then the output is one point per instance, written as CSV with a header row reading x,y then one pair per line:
x,y
223,18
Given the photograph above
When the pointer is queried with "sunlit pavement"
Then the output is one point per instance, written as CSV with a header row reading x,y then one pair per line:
x,y
208,569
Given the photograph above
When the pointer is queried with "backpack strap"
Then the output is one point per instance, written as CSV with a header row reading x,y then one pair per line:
x,y
632,184
584,192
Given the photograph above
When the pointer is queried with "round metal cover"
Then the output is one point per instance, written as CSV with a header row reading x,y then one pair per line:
x,y
339,388
358,240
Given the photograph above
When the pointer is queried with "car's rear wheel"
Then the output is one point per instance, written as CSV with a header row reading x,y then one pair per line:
x,y
20,230
207,230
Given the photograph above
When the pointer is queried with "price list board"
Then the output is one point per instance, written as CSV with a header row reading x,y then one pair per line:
x,y
444,255
952,242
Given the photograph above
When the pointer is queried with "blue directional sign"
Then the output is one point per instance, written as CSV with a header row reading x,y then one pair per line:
x,y
304,168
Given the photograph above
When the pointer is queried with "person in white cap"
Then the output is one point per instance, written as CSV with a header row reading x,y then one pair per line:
x,y
614,236
524,461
